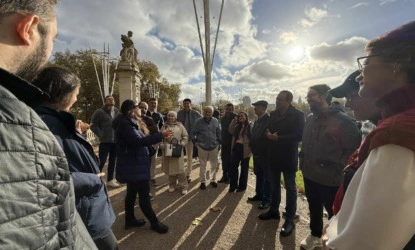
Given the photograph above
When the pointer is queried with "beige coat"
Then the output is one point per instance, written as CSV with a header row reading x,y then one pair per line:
x,y
247,149
174,165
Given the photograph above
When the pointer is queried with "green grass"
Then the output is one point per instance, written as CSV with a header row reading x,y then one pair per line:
x,y
298,179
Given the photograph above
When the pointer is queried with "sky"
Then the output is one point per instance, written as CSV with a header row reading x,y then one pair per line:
x,y
264,46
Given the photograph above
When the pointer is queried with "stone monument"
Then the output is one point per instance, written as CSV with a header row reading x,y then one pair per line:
x,y
129,77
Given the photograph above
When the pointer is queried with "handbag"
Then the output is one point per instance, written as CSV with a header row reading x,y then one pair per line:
x,y
173,149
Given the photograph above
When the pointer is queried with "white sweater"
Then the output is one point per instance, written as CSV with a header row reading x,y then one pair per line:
x,y
379,205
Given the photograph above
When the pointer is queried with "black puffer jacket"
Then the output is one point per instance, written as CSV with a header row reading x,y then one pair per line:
x,y
37,205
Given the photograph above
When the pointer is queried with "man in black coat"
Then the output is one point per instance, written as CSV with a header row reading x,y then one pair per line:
x,y
226,142
258,144
285,130
158,120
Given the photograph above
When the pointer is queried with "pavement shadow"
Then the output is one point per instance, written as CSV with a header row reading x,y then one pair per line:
x,y
208,232
255,233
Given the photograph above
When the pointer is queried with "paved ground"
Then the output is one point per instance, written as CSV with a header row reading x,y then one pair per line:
x,y
194,226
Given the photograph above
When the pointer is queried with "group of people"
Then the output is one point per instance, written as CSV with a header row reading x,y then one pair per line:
x,y
53,195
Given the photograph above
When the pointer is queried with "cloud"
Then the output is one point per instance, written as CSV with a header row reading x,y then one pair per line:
x,y
288,37
345,51
313,17
359,5
383,2
263,71
266,31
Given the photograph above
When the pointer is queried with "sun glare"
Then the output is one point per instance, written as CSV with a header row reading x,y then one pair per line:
x,y
296,53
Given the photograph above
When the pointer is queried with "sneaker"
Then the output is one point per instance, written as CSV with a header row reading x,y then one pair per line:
x,y
311,242
153,182
171,190
159,227
113,183
134,223
214,184
202,186
184,192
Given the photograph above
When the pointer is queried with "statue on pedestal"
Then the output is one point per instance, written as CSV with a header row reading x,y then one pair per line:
x,y
128,53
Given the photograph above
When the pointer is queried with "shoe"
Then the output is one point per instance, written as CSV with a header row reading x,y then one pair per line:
x,y
223,180
153,182
151,197
287,228
231,190
296,216
214,184
188,179
269,215
159,227
263,205
202,186
254,198
171,190
240,190
311,242
134,223
113,183
184,192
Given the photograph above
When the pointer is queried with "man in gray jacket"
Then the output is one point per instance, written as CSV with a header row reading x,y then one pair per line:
x,y
101,125
188,117
37,204
206,134
330,136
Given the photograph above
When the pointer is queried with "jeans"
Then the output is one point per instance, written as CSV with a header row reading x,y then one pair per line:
x,y
262,187
106,149
226,159
143,190
319,195
291,191
238,157
107,242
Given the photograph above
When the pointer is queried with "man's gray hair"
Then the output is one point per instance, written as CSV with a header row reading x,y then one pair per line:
x,y
209,107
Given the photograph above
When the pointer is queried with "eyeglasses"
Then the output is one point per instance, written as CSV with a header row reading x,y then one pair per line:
x,y
361,61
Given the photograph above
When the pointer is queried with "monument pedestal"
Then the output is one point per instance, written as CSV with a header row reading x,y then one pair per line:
x,y
129,81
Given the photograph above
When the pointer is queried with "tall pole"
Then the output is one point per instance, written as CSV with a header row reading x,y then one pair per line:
x,y
208,76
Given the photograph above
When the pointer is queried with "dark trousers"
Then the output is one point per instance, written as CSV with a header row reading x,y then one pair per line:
x,y
107,242
290,189
238,157
319,195
262,187
142,188
106,149
225,155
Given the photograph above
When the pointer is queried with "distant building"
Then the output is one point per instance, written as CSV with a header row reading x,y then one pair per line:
x,y
246,101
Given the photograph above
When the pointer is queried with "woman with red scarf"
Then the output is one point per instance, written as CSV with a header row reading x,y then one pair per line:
x,y
377,208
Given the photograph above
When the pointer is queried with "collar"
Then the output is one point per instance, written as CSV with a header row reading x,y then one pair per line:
x,y
67,118
397,101
23,90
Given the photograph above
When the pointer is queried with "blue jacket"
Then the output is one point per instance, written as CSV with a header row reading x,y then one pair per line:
x,y
133,159
206,134
91,195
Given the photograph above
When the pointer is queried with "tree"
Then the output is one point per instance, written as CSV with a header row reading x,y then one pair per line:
x,y
81,64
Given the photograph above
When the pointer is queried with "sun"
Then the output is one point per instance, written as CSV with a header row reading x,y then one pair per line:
x,y
296,53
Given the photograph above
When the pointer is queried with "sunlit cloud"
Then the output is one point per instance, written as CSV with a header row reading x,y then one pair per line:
x,y
313,17
288,37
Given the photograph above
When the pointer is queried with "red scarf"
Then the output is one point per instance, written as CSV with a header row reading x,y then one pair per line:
x,y
397,128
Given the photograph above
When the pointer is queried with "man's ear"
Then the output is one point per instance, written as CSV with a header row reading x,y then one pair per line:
x,y
26,28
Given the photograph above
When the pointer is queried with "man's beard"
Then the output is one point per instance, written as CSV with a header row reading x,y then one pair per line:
x,y
33,64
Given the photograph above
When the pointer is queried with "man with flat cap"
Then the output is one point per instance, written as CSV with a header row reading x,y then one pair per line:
x,y
364,109
258,145
285,130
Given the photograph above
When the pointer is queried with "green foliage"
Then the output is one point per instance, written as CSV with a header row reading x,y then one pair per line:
x,y
89,98
81,63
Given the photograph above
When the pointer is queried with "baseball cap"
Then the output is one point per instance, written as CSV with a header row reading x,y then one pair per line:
x,y
349,85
